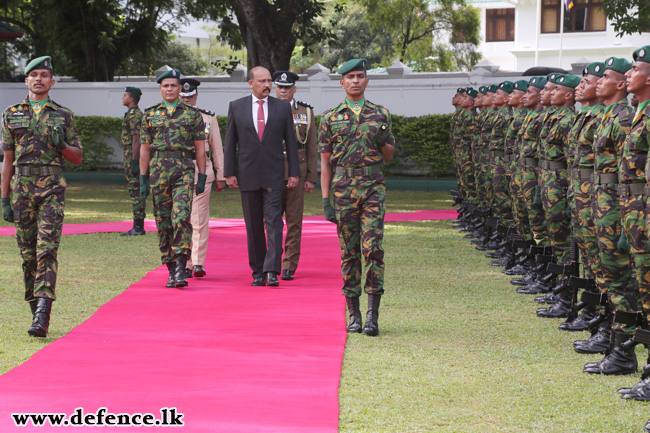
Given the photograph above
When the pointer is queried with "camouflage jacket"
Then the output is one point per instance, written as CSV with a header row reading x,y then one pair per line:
x,y
465,134
499,128
30,137
176,132
352,142
584,151
513,131
483,139
547,120
555,133
527,141
634,163
131,125
574,132
610,137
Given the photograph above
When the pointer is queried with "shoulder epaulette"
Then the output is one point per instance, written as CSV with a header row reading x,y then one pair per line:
x,y
151,107
208,112
304,104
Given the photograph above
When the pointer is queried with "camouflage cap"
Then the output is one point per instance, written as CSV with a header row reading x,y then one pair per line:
x,y
521,85
172,73
189,87
594,68
44,62
567,80
471,92
133,91
538,82
618,64
483,89
507,86
353,65
493,88
642,54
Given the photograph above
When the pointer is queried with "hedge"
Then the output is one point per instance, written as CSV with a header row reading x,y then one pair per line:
x,y
421,143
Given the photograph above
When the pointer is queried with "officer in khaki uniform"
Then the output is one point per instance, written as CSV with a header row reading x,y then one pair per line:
x,y
293,200
214,171
37,135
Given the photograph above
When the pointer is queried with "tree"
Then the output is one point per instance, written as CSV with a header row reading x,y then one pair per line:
x,y
628,16
175,54
414,25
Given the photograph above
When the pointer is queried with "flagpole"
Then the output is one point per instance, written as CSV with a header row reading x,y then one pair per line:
x,y
562,6
538,31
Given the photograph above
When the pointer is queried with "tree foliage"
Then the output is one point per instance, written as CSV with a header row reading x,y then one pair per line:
x,y
175,54
628,16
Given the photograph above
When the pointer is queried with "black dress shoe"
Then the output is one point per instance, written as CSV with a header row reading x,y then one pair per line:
x,y
199,271
188,273
258,281
287,275
272,279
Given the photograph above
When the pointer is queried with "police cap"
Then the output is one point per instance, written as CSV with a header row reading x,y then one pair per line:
x,y
188,87
285,78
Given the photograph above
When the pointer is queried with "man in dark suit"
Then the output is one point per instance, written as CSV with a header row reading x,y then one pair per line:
x,y
259,132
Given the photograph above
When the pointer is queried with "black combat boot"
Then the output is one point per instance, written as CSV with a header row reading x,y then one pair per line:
x,y
562,307
619,361
32,307
41,321
137,230
179,274
598,342
171,283
371,327
355,314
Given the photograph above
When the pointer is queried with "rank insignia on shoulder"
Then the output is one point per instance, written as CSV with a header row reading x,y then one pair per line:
x,y
304,104
208,112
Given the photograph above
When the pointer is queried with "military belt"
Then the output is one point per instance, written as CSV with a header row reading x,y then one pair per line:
x,y
358,171
586,173
44,170
627,189
646,190
498,153
604,178
531,161
173,154
552,165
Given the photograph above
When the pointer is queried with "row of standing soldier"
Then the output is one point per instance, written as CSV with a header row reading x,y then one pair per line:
x,y
558,197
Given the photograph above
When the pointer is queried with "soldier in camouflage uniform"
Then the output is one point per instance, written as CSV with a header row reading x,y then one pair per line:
x,y
636,162
37,135
464,135
355,137
453,137
131,126
173,135
520,213
614,257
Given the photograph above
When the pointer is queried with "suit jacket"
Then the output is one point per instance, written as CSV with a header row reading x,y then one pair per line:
x,y
260,165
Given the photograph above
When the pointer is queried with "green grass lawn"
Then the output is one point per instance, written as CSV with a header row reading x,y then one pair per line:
x,y
458,351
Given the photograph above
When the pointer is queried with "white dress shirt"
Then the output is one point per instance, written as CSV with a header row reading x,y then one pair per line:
x,y
256,107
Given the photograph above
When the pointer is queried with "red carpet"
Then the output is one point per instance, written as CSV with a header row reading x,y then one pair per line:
x,y
230,357
150,225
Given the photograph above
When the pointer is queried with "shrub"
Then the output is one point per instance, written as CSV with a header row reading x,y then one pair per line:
x,y
94,133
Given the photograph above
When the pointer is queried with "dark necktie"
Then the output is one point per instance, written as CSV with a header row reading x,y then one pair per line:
x,y
260,119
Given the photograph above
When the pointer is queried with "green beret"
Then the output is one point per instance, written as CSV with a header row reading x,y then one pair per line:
x,y
521,85
471,92
493,88
538,82
642,54
567,80
133,91
618,64
552,76
595,68
353,65
172,73
483,89
460,90
507,86
44,62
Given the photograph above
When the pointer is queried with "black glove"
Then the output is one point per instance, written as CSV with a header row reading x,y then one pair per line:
x,y
135,167
144,185
381,136
200,183
328,210
58,137
7,211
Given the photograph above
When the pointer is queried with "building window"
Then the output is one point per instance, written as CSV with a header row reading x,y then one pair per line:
x,y
500,25
585,16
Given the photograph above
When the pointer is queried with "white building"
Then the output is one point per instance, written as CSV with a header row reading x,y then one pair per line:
x,y
519,34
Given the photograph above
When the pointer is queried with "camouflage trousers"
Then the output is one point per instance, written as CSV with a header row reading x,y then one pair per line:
x,y
172,188
485,193
536,215
359,206
479,175
615,264
554,185
466,176
137,201
633,213
519,209
39,203
585,231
